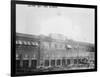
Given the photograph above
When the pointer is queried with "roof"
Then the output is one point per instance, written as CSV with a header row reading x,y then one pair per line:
x,y
26,35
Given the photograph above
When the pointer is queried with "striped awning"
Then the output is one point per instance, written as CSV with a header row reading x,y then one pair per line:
x,y
26,42
20,42
29,43
69,46
17,55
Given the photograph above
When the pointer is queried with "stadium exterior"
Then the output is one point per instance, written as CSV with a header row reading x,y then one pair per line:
x,y
36,53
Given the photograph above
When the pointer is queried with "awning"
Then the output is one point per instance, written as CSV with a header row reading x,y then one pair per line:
x,y
20,42
26,42
69,46
33,43
16,42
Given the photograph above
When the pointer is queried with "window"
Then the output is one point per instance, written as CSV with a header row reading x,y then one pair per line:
x,y
33,64
63,62
68,61
84,60
17,63
46,63
52,62
25,63
75,61
79,61
58,62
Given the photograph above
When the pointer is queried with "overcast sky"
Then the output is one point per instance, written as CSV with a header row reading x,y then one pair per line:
x,y
75,23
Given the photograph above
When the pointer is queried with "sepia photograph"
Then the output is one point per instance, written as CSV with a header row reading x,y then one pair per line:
x,y
54,38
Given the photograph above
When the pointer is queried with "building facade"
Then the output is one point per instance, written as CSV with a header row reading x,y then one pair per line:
x,y
27,52
35,53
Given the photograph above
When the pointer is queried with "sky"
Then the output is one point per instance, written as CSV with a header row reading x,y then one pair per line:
x,y
74,23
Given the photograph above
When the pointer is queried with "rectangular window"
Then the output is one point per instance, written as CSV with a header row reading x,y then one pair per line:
x,y
33,63
75,61
79,61
58,62
17,63
68,62
25,63
63,62
46,63
84,61
52,62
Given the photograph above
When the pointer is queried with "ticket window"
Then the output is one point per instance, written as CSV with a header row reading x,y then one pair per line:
x,y
58,62
34,64
25,63
46,63
52,62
